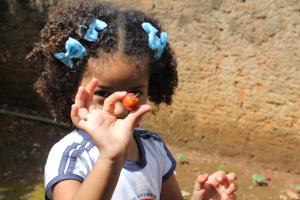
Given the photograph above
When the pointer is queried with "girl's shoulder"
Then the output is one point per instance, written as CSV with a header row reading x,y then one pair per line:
x,y
74,136
75,140
72,158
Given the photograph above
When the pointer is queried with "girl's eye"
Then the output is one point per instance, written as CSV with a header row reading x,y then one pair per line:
x,y
103,94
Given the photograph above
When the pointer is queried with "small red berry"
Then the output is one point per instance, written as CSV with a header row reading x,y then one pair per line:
x,y
130,101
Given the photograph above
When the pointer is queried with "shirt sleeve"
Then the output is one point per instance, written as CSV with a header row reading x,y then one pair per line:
x,y
169,163
66,161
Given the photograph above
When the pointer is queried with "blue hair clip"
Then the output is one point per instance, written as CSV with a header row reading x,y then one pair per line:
x,y
74,50
155,43
96,25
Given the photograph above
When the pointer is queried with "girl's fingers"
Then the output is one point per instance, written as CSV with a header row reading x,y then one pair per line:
x,y
200,188
80,97
84,96
232,197
198,194
134,117
83,112
91,87
231,177
76,119
109,102
220,176
228,179
216,179
231,189
200,182
74,114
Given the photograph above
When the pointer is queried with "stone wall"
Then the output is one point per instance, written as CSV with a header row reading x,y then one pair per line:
x,y
239,71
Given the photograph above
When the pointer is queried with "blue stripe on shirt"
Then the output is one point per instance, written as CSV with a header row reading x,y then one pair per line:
x,y
65,158
72,159
172,169
74,156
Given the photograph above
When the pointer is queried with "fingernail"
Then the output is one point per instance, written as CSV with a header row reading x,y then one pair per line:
x,y
81,87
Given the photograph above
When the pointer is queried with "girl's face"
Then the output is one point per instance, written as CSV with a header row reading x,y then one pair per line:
x,y
116,74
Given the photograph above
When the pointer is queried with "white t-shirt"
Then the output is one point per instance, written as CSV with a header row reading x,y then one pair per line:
x,y
74,156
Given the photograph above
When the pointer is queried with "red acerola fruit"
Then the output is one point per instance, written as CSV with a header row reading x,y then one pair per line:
x,y
130,101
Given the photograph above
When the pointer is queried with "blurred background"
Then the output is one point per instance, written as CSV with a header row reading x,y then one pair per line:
x,y
236,107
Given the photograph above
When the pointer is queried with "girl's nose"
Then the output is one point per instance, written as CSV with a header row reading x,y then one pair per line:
x,y
120,111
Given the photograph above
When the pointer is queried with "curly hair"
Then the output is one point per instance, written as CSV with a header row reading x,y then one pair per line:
x,y
58,84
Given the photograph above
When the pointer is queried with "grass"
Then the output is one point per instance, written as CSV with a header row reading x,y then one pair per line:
x,y
37,193
23,191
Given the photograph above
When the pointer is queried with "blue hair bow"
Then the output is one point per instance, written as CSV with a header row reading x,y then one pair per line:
x,y
155,43
96,25
74,50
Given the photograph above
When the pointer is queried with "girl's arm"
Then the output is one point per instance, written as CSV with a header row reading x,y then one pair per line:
x,y
107,171
170,189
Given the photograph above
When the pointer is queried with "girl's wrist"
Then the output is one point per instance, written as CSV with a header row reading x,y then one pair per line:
x,y
114,160
114,165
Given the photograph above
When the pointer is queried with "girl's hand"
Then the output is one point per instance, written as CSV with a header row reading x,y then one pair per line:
x,y
110,135
217,186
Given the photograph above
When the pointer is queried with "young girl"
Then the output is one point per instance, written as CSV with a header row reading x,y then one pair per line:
x,y
107,53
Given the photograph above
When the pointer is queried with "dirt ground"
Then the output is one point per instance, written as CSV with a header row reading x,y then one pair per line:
x,y
24,146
